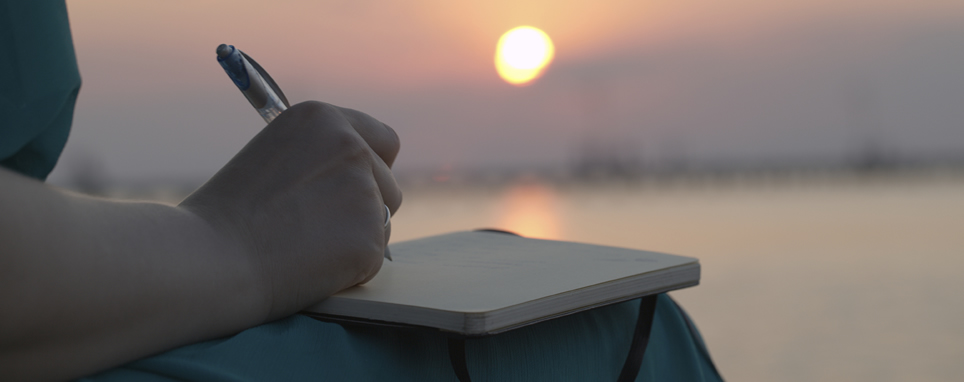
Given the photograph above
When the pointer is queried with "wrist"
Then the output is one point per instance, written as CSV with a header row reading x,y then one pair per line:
x,y
247,290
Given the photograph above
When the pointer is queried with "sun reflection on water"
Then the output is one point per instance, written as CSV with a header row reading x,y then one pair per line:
x,y
530,210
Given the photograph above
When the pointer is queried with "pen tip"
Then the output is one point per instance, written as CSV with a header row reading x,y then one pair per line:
x,y
223,50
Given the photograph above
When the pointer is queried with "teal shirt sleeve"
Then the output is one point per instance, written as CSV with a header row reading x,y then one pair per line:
x,y
39,82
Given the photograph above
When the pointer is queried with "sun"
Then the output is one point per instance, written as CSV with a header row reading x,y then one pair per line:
x,y
523,54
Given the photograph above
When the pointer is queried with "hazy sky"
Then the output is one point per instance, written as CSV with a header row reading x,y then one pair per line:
x,y
681,80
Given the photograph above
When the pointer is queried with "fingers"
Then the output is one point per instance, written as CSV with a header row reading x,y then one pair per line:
x,y
333,134
384,142
391,194
380,137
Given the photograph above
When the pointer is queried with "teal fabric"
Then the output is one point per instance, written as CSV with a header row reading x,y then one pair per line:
x,y
39,82
588,346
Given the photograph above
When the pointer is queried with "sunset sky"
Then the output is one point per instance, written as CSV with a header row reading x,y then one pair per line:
x,y
683,80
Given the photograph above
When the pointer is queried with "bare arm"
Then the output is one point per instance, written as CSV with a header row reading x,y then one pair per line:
x,y
87,283
84,281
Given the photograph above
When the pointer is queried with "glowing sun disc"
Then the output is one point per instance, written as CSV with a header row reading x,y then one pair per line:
x,y
523,54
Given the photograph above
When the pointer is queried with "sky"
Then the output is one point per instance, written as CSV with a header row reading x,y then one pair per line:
x,y
742,81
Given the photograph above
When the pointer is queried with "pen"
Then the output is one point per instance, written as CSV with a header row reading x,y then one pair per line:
x,y
253,81
262,92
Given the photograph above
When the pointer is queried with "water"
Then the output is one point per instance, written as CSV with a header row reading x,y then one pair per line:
x,y
813,278
819,279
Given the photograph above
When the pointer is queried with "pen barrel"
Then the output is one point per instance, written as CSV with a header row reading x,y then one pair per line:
x,y
262,96
273,108
254,87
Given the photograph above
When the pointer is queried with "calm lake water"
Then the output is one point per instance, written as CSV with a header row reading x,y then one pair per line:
x,y
809,279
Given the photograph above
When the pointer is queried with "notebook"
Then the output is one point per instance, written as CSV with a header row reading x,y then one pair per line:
x,y
477,283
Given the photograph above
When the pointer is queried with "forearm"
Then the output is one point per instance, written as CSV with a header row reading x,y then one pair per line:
x,y
87,283
298,214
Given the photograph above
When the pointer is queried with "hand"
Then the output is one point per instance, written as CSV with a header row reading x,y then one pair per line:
x,y
305,200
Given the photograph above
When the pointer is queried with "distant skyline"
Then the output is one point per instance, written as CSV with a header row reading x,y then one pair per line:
x,y
686,80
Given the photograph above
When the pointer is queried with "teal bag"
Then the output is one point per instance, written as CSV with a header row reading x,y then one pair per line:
x,y
586,346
